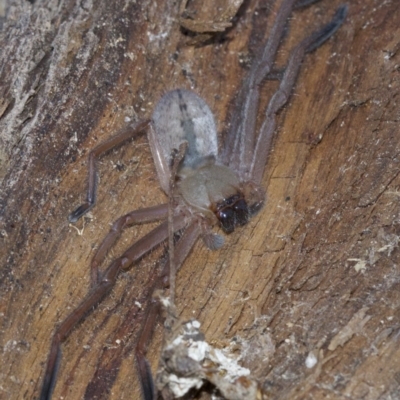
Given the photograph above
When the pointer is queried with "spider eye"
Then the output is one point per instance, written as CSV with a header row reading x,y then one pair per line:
x,y
241,212
227,219
232,212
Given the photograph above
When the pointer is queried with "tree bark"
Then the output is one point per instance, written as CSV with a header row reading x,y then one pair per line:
x,y
313,277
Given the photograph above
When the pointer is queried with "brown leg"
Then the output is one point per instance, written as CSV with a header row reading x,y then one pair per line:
x,y
135,217
96,294
125,134
182,250
243,150
281,96
176,159
240,140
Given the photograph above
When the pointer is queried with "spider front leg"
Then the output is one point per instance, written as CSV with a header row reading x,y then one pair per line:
x,y
125,134
144,215
183,247
98,292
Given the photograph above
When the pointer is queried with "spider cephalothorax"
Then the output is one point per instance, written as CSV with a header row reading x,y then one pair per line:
x,y
204,183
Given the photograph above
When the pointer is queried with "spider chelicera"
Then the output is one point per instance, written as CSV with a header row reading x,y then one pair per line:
x,y
211,187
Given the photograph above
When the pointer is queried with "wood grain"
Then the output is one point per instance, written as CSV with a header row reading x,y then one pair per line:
x,y
315,274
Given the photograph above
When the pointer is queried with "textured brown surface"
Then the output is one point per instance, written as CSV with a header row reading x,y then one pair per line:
x,y
315,272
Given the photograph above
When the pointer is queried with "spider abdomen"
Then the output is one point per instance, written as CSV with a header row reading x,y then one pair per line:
x,y
182,116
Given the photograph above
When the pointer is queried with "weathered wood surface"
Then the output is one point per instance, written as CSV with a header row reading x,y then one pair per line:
x,y
316,272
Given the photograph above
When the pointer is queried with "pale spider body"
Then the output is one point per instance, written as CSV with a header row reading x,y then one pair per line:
x,y
211,191
208,187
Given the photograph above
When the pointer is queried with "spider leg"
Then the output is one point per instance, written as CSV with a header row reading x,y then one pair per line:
x,y
182,249
279,99
304,3
144,215
239,146
123,135
177,157
95,296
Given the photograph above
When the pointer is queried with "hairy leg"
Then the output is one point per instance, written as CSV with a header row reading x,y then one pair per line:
x,y
183,247
119,138
281,96
144,215
95,296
